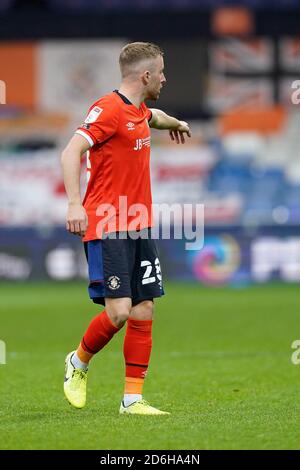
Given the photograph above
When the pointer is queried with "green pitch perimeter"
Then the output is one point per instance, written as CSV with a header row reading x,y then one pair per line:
x,y
221,364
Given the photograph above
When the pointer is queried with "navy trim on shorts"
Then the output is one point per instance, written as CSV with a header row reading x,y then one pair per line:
x,y
96,269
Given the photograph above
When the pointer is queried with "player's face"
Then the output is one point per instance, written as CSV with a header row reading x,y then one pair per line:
x,y
157,78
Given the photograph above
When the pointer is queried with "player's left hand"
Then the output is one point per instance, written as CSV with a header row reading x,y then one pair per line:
x,y
178,134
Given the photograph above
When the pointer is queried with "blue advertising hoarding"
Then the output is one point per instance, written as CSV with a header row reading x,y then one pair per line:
x,y
230,255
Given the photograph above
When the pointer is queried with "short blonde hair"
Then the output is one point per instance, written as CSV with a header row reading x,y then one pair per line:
x,y
135,52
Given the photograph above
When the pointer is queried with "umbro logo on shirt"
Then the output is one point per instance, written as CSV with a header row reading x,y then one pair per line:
x,y
130,126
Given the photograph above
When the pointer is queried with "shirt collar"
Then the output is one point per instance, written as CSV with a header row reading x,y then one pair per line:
x,y
123,97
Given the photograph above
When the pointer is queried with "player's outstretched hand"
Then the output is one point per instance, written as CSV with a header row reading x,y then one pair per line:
x,y
178,134
77,220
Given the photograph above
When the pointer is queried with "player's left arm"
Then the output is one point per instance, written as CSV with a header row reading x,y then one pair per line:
x,y
177,129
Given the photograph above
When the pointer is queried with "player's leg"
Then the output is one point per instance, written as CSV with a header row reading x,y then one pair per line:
x,y
137,350
109,286
146,284
99,332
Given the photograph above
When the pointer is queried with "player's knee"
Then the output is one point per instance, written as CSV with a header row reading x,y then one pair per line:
x,y
118,314
143,311
118,318
121,317
147,308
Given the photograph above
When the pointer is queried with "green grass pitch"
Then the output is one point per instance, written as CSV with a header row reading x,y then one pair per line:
x,y
221,364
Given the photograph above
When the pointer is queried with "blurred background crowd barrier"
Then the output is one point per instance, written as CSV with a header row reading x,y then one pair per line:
x,y
230,67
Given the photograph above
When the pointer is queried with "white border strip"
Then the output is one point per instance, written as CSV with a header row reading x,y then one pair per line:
x,y
86,136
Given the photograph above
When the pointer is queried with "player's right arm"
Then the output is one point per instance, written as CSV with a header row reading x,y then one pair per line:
x,y
76,221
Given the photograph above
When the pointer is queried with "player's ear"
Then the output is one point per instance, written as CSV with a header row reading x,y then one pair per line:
x,y
146,77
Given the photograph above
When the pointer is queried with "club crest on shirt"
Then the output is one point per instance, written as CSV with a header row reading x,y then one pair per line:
x,y
93,115
114,282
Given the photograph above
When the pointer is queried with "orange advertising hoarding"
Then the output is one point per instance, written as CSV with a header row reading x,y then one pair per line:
x,y
17,71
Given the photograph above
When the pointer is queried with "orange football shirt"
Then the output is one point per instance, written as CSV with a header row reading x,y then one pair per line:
x,y
118,195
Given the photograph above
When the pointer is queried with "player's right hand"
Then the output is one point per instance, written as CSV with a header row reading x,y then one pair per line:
x,y
77,220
